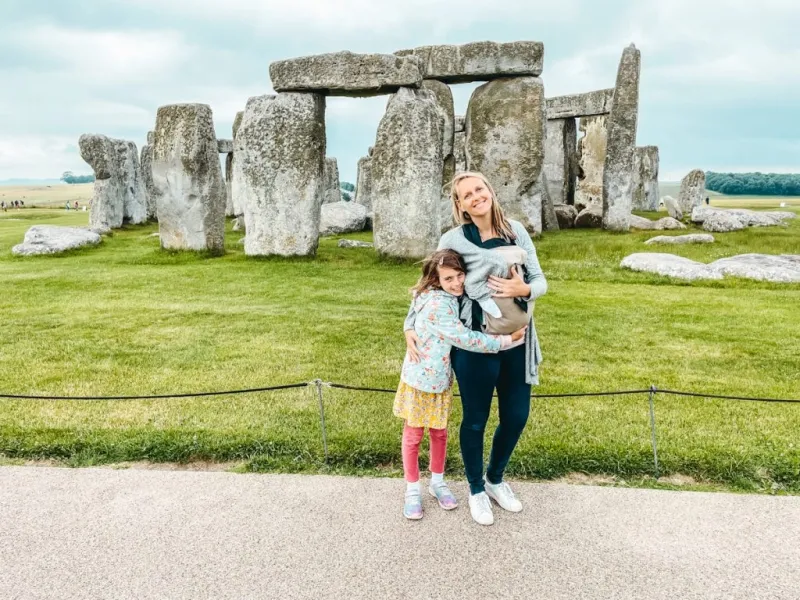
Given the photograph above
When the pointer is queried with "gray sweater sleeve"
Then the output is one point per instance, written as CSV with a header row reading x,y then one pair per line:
x,y
535,277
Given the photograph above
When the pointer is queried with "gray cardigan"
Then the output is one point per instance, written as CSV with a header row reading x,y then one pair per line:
x,y
480,264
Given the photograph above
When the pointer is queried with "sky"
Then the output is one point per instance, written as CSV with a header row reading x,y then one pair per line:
x,y
719,89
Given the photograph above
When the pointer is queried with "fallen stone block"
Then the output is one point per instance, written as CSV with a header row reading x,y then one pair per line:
x,y
54,239
669,265
691,238
342,217
355,244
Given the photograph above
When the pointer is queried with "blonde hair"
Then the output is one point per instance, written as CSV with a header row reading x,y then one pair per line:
x,y
499,222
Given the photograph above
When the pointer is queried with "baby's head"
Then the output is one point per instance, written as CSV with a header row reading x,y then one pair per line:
x,y
443,270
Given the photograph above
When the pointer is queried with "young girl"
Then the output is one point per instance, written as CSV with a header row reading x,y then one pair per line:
x,y
423,397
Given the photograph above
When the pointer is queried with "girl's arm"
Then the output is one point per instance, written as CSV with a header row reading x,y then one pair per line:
x,y
411,318
443,322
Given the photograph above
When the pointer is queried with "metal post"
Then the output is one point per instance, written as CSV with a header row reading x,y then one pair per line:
x,y
318,383
653,428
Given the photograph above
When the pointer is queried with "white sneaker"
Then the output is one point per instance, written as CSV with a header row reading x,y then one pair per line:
x,y
480,507
502,494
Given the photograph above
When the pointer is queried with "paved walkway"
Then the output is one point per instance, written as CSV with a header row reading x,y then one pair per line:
x,y
103,533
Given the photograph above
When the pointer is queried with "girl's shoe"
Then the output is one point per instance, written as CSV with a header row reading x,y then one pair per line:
x,y
443,495
412,509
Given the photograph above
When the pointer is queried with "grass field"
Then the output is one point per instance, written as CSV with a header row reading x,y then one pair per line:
x,y
47,196
128,318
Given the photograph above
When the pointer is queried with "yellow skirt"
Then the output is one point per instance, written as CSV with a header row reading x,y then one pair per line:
x,y
422,409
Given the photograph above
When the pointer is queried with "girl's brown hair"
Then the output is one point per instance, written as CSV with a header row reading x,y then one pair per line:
x,y
430,269
499,221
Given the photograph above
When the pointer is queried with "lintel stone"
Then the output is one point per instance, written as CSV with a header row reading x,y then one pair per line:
x,y
224,146
589,104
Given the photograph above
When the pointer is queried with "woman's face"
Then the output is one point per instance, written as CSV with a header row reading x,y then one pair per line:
x,y
451,281
474,197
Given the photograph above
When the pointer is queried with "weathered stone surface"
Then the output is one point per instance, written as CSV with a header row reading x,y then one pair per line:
x,y
761,267
346,74
549,217
100,153
444,103
355,244
364,183
151,138
621,144
342,217
224,146
591,156
723,222
53,239
281,148
673,208
693,190
239,224
691,238
566,215
591,216
134,199
669,265
588,104
645,178
331,192
151,193
237,122
460,123
229,211
638,222
505,141
406,169
479,61
187,174
460,151
560,148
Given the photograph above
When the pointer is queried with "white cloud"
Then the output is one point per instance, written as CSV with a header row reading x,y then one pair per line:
x,y
106,57
32,156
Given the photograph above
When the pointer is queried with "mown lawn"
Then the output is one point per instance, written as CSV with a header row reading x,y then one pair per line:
x,y
128,318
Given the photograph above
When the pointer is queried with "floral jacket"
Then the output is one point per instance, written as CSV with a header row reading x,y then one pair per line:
x,y
439,329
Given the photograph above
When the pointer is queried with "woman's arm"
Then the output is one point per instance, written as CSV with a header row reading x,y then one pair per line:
x,y
534,284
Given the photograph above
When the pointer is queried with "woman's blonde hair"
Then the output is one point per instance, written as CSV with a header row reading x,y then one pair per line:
x,y
499,222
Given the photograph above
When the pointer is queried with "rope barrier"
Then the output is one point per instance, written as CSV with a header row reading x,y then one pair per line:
x,y
341,386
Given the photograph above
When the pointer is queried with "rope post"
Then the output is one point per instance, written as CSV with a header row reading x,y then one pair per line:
x,y
653,428
318,383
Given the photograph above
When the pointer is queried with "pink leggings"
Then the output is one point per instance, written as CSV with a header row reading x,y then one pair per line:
x,y
412,436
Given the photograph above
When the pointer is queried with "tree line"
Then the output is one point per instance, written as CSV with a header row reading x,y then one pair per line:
x,y
70,177
756,184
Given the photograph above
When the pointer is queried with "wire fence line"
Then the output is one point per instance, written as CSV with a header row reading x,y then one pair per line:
x,y
319,385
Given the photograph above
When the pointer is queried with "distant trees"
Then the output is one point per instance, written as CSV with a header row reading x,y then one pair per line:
x,y
346,196
757,184
347,186
70,177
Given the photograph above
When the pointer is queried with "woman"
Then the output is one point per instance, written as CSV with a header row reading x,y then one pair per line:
x,y
511,372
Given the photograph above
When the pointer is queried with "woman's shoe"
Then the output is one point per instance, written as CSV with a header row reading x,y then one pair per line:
x,y
480,507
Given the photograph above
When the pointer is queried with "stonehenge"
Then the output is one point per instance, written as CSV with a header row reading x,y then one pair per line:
x,y
119,194
187,174
556,162
621,144
693,190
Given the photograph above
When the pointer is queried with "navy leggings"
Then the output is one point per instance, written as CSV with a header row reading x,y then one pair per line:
x,y
478,376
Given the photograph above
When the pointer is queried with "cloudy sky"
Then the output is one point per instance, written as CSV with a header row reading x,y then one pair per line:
x,y
720,82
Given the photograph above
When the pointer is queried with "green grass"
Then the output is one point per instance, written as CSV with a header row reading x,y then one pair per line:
x,y
128,318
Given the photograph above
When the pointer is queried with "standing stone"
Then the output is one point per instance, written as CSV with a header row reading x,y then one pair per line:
x,y
673,208
645,178
407,175
234,202
146,163
281,149
100,153
693,190
364,184
134,199
591,159
331,192
621,146
187,173
444,104
345,74
549,216
460,123
460,151
559,160
505,141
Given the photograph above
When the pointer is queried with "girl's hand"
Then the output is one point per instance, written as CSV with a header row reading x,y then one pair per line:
x,y
412,340
519,334
513,287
